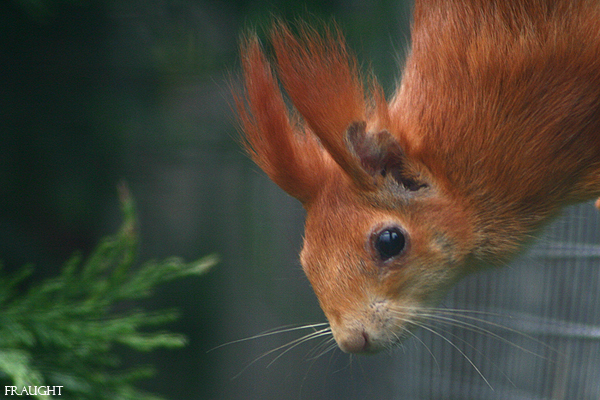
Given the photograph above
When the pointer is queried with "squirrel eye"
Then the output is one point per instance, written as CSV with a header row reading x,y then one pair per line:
x,y
390,243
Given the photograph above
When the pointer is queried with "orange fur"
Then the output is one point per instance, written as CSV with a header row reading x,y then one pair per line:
x,y
278,147
494,128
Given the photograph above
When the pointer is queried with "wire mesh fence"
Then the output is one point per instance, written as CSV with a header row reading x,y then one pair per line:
x,y
529,331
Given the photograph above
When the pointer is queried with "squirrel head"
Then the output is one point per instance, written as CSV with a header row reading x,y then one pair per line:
x,y
383,237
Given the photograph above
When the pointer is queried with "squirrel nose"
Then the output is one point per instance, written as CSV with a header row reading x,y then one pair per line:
x,y
354,342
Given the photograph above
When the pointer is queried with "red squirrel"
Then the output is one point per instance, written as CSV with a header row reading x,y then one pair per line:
x,y
493,128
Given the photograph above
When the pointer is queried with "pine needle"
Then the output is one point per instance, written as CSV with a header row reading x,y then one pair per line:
x,y
63,331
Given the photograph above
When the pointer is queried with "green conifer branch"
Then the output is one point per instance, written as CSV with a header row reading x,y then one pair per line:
x,y
63,331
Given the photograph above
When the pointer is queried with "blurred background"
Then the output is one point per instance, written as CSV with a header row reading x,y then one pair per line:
x,y
95,92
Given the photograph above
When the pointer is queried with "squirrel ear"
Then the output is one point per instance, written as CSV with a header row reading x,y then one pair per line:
x,y
380,156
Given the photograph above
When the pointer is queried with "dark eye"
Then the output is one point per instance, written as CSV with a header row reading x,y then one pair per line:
x,y
390,243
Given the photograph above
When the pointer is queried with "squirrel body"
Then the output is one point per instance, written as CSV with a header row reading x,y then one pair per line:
x,y
494,127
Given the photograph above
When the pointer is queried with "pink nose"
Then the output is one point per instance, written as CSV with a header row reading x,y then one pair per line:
x,y
354,342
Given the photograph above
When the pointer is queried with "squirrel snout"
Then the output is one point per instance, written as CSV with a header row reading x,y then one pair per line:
x,y
354,341
380,325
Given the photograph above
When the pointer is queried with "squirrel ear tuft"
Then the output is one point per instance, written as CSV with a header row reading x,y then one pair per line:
x,y
290,155
380,155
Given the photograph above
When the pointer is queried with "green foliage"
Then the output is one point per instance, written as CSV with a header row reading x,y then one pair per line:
x,y
67,331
